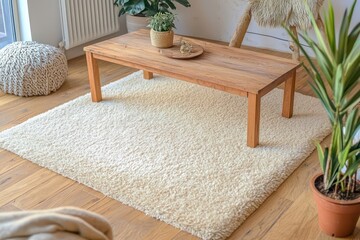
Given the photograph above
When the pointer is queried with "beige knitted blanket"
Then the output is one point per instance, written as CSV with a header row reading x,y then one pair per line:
x,y
55,224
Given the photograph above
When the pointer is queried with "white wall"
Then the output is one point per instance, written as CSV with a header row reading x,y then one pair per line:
x,y
212,19
24,20
40,21
217,20
45,21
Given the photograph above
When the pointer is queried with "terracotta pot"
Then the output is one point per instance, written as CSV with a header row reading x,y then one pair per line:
x,y
162,39
336,218
134,23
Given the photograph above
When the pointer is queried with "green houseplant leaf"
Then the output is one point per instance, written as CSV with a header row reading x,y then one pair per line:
x,y
162,22
147,7
335,80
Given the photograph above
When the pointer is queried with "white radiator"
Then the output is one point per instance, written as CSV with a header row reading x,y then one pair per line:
x,y
87,20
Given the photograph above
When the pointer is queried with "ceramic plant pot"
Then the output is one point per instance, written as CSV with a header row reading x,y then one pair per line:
x,y
336,218
162,39
134,23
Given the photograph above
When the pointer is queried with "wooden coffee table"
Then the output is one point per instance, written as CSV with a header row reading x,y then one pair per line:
x,y
237,71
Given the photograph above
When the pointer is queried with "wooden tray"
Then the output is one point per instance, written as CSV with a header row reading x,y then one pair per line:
x,y
174,52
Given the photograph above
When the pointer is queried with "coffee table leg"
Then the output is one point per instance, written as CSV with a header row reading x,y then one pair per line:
x,y
253,130
94,77
148,75
288,103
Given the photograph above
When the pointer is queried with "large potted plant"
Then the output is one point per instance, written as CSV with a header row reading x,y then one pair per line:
x,y
138,11
161,33
335,81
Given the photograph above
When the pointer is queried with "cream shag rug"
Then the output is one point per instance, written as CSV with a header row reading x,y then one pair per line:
x,y
174,150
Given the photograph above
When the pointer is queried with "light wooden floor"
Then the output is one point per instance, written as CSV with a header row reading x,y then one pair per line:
x,y
289,213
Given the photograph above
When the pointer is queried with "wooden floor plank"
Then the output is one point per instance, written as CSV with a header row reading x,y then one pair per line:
x,y
25,185
119,215
37,195
258,225
9,208
184,236
162,231
8,161
75,195
17,173
295,221
144,225
7,99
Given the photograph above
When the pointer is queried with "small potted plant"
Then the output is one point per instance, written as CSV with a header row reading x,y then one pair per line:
x,y
161,33
138,12
335,81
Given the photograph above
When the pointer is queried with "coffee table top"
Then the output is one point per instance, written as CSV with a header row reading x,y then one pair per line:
x,y
225,68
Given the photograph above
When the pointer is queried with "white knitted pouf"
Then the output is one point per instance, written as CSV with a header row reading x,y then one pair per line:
x,y
30,69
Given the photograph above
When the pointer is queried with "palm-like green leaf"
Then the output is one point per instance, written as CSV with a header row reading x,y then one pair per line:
x,y
319,36
330,29
353,37
353,102
335,76
322,155
185,3
342,48
170,4
339,85
324,61
352,123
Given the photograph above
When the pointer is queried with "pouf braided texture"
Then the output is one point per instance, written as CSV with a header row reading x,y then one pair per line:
x,y
30,69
